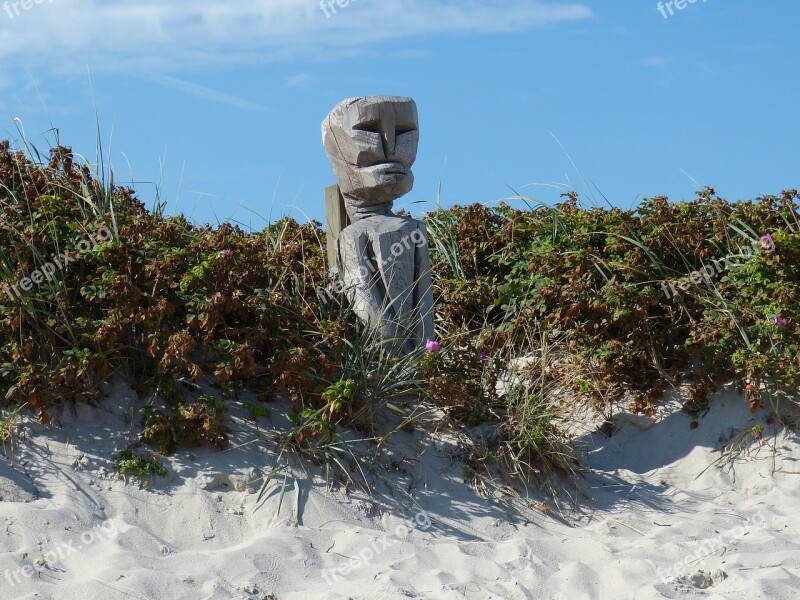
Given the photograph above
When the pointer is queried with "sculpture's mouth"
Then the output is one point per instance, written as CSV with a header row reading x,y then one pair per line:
x,y
389,168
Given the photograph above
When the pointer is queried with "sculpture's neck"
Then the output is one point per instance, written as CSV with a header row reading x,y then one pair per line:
x,y
356,212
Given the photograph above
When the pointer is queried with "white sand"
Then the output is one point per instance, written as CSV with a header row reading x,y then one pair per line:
x,y
198,535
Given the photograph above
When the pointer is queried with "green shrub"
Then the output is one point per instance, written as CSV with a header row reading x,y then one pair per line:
x,y
131,463
162,299
191,425
595,276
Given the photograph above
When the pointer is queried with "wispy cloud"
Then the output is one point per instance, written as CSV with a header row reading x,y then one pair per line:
x,y
411,54
151,35
298,80
655,62
200,91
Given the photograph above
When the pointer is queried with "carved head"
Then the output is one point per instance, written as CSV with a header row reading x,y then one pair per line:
x,y
372,144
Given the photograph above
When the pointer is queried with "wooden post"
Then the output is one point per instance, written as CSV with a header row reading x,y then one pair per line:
x,y
336,220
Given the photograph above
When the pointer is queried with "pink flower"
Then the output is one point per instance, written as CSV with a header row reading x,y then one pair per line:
x,y
432,346
767,240
779,322
749,387
227,253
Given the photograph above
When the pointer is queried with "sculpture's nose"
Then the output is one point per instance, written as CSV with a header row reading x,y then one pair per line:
x,y
389,133
389,138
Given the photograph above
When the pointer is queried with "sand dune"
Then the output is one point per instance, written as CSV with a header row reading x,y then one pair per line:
x,y
647,527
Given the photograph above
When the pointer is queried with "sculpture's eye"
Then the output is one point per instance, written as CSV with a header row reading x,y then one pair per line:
x,y
370,126
375,127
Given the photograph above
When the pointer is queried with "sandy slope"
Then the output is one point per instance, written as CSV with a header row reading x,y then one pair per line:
x,y
422,534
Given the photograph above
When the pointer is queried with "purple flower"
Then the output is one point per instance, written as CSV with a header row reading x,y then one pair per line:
x,y
767,240
433,346
226,252
324,246
484,356
779,322
771,420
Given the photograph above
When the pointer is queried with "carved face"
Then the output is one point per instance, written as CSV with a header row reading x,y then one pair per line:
x,y
372,144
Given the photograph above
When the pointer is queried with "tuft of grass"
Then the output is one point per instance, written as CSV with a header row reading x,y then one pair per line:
x,y
7,424
534,442
371,377
737,447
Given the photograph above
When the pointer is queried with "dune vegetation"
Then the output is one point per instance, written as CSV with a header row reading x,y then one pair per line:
x,y
536,308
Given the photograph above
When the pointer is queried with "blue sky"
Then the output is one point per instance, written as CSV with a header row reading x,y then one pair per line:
x,y
222,102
